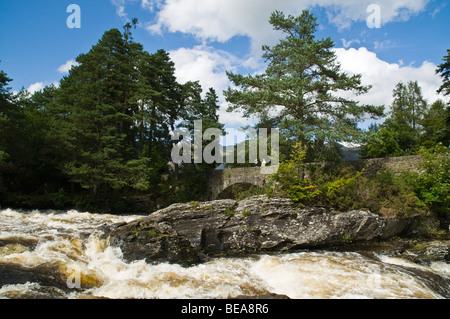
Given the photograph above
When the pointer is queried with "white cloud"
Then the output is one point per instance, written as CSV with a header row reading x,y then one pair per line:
x,y
35,87
65,68
221,20
204,64
120,7
39,86
151,5
383,76
209,66
349,43
343,13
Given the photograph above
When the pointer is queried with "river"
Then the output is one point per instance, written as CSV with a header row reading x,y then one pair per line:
x,y
61,255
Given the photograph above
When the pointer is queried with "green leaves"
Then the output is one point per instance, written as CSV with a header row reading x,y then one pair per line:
x,y
104,134
410,125
291,180
444,71
302,82
433,185
295,180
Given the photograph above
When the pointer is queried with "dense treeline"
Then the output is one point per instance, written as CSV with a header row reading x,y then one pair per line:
x,y
411,125
104,134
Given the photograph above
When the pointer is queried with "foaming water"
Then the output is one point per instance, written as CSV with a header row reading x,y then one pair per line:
x,y
67,255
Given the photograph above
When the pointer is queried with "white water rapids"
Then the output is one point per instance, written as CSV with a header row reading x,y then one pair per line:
x,y
65,248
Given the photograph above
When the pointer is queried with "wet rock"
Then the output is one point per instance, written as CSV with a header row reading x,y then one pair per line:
x,y
425,252
29,243
191,233
44,275
435,282
11,249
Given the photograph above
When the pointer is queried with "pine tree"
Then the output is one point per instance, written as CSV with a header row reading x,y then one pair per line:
x,y
6,107
97,107
5,91
401,133
409,105
408,109
161,106
434,123
27,157
444,71
302,86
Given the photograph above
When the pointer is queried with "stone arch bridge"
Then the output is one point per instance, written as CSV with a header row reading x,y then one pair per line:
x,y
222,181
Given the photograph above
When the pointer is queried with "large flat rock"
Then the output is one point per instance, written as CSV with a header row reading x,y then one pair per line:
x,y
190,233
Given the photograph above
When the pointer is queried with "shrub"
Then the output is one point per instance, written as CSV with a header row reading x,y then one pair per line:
x,y
290,177
405,194
229,211
433,185
336,193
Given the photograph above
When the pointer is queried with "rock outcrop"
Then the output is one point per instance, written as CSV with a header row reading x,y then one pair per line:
x,y
191,233
420,252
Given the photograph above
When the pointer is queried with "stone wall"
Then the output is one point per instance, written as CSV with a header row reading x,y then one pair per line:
x,y
397,164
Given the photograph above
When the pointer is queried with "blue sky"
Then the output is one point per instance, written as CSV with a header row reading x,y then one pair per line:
x,y
208,37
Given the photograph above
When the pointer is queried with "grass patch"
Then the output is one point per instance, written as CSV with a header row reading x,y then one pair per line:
x,y
229,211
246,213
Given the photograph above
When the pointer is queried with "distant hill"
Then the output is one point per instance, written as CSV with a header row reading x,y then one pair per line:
x,y
351,154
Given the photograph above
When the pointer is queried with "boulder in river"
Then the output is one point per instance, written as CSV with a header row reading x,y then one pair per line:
x,y
190,233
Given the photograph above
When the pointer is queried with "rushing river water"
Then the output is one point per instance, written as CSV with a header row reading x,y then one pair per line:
x,y
61,255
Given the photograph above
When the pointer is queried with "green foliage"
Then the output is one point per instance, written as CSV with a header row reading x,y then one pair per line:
x,y
103,135
347,238
411,124
436,128
408,194
320,187
189,188
229,211
385,193
246,213
433,185
383,143
290,177
60,199
408,107
444,71
240,193
297,91
5,91
194,204
302,192
335,192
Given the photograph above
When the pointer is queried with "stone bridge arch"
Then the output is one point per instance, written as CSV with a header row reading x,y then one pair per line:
x,y
221,180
